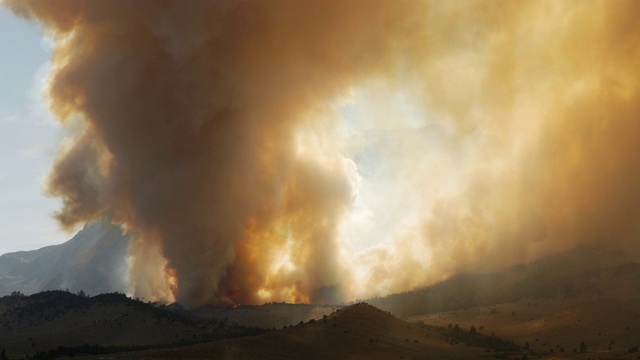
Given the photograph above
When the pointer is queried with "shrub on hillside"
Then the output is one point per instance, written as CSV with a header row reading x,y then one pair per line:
x,y
583,347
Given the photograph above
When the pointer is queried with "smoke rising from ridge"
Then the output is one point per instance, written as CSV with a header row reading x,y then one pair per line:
x,y
316,151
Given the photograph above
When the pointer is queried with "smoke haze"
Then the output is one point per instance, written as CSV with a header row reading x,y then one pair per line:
x,y
320,151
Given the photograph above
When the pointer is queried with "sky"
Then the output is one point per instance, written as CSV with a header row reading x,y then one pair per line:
x,y
29,137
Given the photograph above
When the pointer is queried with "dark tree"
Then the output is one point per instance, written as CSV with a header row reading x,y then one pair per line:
x,y
583,347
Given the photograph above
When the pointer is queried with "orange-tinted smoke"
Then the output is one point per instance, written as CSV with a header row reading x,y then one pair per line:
x,y
210,129
187,117
545,98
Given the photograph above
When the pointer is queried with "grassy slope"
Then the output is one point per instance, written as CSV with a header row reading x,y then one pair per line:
x,y
549,325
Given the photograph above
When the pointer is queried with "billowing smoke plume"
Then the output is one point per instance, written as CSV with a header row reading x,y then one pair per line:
x,y
325,150
186,125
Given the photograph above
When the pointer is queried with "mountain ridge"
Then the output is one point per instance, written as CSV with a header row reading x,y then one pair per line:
x,y
93,260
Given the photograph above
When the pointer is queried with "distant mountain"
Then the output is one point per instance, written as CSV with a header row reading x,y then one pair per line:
x,y
94,260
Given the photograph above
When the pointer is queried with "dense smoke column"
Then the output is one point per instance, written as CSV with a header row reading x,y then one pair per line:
x,y
183,122
210,130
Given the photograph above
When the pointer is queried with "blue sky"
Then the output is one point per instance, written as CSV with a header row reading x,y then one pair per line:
x,y
29,136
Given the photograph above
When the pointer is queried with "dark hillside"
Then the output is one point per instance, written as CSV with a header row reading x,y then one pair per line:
x,y
53,319
359,331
